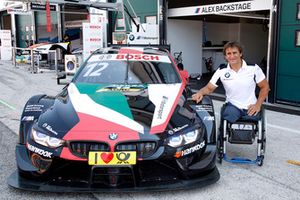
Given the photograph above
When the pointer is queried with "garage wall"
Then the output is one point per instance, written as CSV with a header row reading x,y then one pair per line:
x,y
253,37
219,32
255,40
186,36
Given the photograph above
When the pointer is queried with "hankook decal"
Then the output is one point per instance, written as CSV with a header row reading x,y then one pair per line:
x,y
39,151
190,150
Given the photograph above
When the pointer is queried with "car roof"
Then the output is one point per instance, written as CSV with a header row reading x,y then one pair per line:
x,y
132,50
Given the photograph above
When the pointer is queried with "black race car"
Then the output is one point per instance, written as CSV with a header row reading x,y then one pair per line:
x,y
125,122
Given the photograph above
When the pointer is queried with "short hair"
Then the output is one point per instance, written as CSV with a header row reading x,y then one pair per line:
x,y
231,45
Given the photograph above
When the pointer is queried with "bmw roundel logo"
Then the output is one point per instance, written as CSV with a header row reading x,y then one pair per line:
x,y
113,136
227,75
131,37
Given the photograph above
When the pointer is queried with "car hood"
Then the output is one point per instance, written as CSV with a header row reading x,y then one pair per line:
x,y
107,108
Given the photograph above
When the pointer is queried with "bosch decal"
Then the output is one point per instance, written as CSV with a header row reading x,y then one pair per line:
x,y
137,57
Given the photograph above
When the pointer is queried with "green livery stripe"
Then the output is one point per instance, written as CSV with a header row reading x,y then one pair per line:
x,y
114,100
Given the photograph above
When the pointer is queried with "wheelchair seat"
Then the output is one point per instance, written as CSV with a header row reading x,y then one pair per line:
x,y
243,131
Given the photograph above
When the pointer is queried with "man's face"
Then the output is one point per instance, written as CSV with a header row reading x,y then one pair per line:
x,y
233,55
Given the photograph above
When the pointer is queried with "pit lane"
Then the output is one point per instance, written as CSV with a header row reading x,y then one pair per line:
x,y
277,179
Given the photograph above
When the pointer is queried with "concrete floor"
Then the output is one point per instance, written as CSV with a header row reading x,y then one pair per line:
x,y
276,179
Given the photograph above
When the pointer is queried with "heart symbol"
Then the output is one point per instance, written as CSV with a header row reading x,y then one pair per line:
x,y
107,157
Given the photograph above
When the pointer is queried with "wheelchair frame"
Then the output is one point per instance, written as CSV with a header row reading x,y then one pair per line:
x,y
260,136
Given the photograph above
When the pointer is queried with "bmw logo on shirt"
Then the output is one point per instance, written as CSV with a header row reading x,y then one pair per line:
x,y
227,75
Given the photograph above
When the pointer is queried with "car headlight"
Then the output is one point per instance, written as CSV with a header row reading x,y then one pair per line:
x,y
46,140
175,141
183,139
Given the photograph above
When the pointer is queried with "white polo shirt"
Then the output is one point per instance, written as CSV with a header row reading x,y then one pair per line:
x,y
239,86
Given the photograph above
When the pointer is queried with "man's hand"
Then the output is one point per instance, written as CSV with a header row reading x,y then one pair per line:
x,y
253,109
197,97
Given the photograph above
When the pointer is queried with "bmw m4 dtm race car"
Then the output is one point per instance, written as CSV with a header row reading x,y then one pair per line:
x,y
125,122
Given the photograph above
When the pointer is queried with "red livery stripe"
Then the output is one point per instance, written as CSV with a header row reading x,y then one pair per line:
x,y
91,128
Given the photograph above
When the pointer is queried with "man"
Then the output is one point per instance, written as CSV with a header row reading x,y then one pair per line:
x,y
239,81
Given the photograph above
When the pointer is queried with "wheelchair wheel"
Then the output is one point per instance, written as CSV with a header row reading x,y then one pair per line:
x,y
263,145
260,160
220,149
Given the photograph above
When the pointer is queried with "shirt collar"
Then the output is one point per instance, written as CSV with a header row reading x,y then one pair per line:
x,y
244,65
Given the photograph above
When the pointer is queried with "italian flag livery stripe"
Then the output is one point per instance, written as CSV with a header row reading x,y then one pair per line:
x,y
108,111
83,103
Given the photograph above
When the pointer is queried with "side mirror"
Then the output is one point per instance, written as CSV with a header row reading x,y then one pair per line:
x,y
59,76
184,75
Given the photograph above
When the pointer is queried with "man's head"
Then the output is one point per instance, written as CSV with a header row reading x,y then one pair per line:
x,y
233,52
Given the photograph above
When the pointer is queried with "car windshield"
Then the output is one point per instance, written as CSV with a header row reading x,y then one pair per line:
x,y
133,69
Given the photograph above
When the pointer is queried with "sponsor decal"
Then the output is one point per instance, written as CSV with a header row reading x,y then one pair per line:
x,y
137,57
34,108
129,56
207,108
174,130
122,88
27,118
112,158
39,6
209,118
49,128
161,107
39,151
190,150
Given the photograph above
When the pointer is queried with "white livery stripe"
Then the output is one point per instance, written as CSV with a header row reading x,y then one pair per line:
x,y
163,96
84,104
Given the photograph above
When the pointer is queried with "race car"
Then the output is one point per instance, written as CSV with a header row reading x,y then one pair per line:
x,y
126,122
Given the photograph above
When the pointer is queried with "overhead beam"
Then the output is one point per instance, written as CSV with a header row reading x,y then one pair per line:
x,y
96,4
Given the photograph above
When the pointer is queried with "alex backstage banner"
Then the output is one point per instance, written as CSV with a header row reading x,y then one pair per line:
x,y
233,7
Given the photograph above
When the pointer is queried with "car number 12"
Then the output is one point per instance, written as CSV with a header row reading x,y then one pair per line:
x,y
95,72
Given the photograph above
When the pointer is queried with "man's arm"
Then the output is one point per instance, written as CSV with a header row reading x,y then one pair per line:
x,y
208,89
263,93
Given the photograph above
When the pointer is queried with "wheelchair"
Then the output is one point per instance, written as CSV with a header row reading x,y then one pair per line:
x,y
243,131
